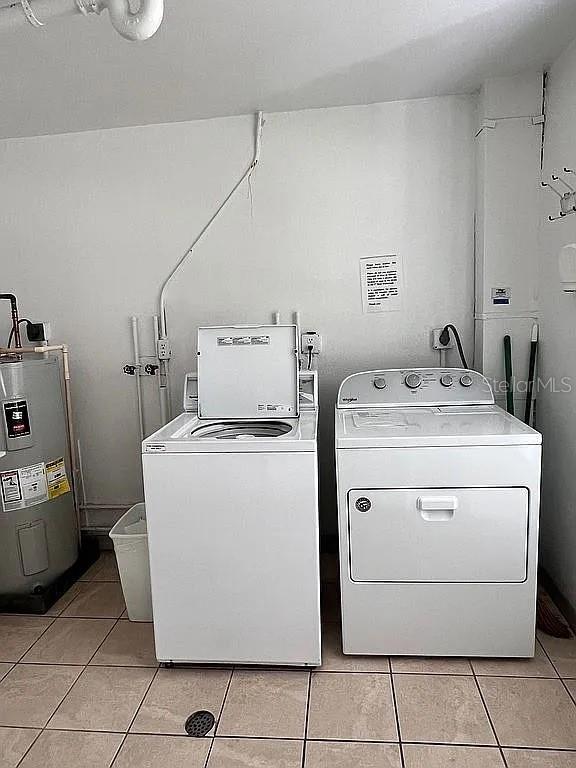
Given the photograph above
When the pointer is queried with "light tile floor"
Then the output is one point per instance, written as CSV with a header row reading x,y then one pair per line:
x,y
81,687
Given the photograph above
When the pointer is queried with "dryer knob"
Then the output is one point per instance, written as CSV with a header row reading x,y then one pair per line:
x,y
413,380
466,380
379,382
446,380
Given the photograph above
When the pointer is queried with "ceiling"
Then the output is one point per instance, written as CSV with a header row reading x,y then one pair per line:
x,y
226,57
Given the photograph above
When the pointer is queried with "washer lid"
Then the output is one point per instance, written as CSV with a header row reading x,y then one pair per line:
x,y
248,372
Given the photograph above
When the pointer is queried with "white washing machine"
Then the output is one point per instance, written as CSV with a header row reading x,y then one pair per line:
x,y
438,499
231,489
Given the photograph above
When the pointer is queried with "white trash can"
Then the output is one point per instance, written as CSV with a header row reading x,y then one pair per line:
x,y
130,537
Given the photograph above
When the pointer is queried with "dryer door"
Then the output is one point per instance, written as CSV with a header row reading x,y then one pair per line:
x,y
438,534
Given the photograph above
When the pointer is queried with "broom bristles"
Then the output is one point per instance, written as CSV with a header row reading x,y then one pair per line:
x,y
549,622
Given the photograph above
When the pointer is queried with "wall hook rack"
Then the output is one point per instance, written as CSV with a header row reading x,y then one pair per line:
x,y
567,196
563,181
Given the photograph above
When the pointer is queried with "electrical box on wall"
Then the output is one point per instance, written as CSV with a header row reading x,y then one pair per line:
x,y
38,333
567,267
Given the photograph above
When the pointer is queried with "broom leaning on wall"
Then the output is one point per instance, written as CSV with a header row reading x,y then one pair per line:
x,y
547,619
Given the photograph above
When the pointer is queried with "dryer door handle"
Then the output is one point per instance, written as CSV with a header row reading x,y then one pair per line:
x,y
437,508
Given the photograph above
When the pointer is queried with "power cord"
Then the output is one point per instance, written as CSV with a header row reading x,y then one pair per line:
x,y
11,336
310,348
445,338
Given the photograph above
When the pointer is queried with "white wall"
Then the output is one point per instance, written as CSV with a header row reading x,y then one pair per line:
x,y
557,411
92,222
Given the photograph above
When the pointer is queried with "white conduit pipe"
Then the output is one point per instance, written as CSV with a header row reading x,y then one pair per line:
x,y
164,383
133,25
163,400
137,364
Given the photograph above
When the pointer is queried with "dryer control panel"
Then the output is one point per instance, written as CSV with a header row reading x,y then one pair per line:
x,y
401,387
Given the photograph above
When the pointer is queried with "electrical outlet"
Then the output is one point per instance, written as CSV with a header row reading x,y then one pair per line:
x,y
436,344
311,339
163,349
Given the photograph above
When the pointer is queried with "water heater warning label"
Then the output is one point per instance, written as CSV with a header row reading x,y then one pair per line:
x,y
11,490
34,484
56,478
17,419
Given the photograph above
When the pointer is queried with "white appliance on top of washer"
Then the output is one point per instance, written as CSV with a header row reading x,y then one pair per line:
x,y
438,499
231,489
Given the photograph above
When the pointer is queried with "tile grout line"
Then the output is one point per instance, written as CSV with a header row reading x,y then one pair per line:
x,y
319,672
548,657
217,723
112,628
131,723
562,680
44,727
64,663
306,718
479,689
34,740
412,742
424,674
84,668
212,739
53,619
396,715
57,707
488,746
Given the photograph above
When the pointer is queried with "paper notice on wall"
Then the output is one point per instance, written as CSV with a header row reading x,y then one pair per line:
x,y
56,478
381,281
23,487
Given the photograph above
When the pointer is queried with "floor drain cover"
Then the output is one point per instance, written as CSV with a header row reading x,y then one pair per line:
x,y
199,723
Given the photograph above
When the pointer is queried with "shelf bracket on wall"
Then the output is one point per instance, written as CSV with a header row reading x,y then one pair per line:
x,y
486,124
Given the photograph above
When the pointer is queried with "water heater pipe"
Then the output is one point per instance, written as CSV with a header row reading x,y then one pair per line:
x,y
63,350
133,25
14,316
163,379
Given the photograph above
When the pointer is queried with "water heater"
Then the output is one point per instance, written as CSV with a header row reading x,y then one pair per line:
x,y
38,529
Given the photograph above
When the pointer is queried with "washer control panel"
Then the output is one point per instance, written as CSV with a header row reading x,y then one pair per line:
x,y
397,387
